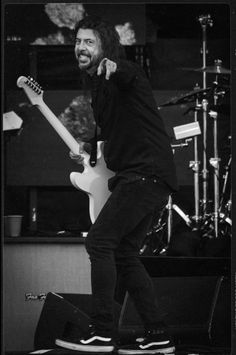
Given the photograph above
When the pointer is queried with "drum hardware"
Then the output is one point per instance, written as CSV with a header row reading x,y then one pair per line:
x,y
157,232
228,207
181,144
195,165
217,68
204,20
201,104
218,91
204,160
215,162
224,217
225,206
196,94
225,178
192,129
218,223
166,221
187,98
173,207
193,109
189,132
207,228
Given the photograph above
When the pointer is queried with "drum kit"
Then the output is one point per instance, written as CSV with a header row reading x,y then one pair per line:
x,y
211,221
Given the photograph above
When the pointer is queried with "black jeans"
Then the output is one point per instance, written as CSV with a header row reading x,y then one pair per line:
x,y
113,244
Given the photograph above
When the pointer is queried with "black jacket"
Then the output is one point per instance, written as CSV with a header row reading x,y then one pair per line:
x,y
136,143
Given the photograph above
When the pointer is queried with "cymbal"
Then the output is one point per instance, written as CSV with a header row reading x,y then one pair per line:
x,y
214,69
211,69
189,97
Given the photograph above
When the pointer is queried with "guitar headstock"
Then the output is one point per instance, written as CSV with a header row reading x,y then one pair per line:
x,y
32,89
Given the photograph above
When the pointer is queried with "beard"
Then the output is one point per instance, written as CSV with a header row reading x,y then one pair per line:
x,y
87,62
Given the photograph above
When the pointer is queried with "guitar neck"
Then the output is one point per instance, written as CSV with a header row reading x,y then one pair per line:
x,y
69,140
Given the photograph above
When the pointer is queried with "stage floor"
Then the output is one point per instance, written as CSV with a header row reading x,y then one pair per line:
x,y
193,350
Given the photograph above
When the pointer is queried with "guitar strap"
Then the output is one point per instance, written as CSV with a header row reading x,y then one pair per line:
x,y
95,93
93,155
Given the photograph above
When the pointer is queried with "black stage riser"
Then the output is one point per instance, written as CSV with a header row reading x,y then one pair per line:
x,y
197,310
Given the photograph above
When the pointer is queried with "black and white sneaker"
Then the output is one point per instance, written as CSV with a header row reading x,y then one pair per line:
x,y
155,342
92,343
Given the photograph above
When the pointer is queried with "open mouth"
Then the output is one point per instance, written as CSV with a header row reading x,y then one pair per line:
x,y
83,58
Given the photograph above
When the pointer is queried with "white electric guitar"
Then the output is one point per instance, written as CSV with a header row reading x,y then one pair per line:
x,y
93,180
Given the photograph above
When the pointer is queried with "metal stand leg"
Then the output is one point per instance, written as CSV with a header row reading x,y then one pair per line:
x,y
194,165
173,207
169,219
226,177
215,163
204,160
196,181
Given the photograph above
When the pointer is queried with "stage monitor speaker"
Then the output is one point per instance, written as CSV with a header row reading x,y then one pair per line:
x,y
56,315
65,315
196,309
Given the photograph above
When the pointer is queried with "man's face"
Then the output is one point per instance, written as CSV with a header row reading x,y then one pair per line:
x,y
88,50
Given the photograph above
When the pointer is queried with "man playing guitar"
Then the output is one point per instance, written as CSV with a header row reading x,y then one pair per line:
x,y
138,151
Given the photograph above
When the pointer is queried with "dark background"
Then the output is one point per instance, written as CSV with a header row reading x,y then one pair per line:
x,y
171,34
169,20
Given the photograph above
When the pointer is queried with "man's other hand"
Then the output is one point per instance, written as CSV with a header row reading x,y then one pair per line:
x,y
108,67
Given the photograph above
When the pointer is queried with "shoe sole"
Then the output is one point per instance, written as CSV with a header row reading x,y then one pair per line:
x,y
88,348
170,350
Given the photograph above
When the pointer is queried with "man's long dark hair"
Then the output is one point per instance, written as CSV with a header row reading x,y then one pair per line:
x,y
107,33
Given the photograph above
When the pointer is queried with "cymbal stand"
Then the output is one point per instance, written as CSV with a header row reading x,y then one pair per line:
x,y
204,159
204,20
194,165
215,161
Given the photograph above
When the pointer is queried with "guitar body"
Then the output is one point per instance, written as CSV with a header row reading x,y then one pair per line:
x,y
93,180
